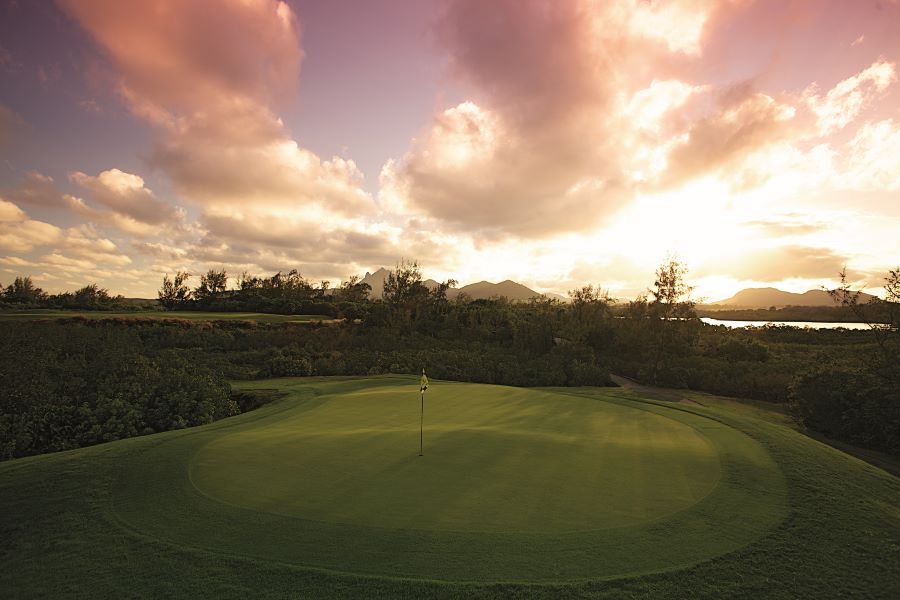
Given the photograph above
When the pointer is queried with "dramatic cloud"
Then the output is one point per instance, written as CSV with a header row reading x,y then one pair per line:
x,y
874,157
535,155
130,206
124,193
473,174
845,101
37,189
728,137
176,58
558,143
19,233
566,121
87,244
10,213
266,169
210,74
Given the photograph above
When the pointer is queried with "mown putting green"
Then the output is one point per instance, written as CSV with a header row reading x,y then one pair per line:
x,y
498,459
515,485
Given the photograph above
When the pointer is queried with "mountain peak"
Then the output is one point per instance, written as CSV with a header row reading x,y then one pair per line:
x,y
770,296
476,291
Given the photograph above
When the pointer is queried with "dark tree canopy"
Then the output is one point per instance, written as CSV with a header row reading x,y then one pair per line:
x,y
174,292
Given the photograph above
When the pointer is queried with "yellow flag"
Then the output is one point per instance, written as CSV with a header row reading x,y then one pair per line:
x,y
423,382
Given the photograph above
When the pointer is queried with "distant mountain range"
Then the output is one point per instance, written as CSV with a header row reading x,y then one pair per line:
x,y
767,297
750,298
476,291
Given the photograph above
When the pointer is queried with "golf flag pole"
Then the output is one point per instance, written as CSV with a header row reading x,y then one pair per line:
x,y
423,385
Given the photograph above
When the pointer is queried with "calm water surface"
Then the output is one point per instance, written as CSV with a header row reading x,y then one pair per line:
x,y
810,324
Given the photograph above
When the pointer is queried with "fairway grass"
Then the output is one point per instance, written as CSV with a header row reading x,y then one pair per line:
x,y
190,315
543,493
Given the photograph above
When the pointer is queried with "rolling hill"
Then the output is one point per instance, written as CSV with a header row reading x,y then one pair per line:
x,y
766,297
476,291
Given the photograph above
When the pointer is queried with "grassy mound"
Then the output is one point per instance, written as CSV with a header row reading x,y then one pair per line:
x,y
586,492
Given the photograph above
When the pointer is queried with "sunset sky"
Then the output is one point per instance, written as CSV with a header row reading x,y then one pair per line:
x,y
555,143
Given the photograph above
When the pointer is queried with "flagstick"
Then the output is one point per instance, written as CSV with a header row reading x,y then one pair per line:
x,y
421,422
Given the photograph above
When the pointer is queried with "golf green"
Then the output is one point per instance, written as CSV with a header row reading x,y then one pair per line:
x,y
514,484
497,459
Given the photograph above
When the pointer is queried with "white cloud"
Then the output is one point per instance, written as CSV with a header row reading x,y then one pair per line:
x,y
9,212
22,236
846,100
125,194
874,158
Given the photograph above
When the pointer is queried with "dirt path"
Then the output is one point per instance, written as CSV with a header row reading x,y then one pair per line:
x,y
657,393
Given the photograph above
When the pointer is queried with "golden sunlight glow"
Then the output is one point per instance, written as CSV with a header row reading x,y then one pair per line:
x,y
692,223
465,133
678,25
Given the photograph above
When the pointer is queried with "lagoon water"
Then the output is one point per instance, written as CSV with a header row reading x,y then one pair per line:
x,y
801,324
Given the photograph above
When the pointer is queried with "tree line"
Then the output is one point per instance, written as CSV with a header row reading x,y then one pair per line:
x,y
283,293
842,383
23,293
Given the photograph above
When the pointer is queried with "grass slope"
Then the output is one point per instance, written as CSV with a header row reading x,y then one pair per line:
x,y
192,315
787,516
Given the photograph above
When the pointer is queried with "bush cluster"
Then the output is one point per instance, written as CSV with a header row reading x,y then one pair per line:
x,y
69,385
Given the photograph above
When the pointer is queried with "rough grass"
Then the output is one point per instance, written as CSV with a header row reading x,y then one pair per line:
x,y
124,520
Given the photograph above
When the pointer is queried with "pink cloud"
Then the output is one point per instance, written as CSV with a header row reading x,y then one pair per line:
x,y
125,193
739,128
846,100
20,233
177,57
211,74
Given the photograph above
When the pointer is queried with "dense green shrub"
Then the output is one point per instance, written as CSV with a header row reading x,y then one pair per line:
x,y
69,385
850,405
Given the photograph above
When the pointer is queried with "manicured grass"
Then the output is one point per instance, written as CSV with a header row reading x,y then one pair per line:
x,y
759,409
777,413
38,314
496,459
322,494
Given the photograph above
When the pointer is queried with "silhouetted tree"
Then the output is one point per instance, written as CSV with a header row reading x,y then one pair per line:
x,y
91,297
885,336
670,296
322,290
404,284
670,301
588,318
212,287
174,292
404,291
23,291
352,290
